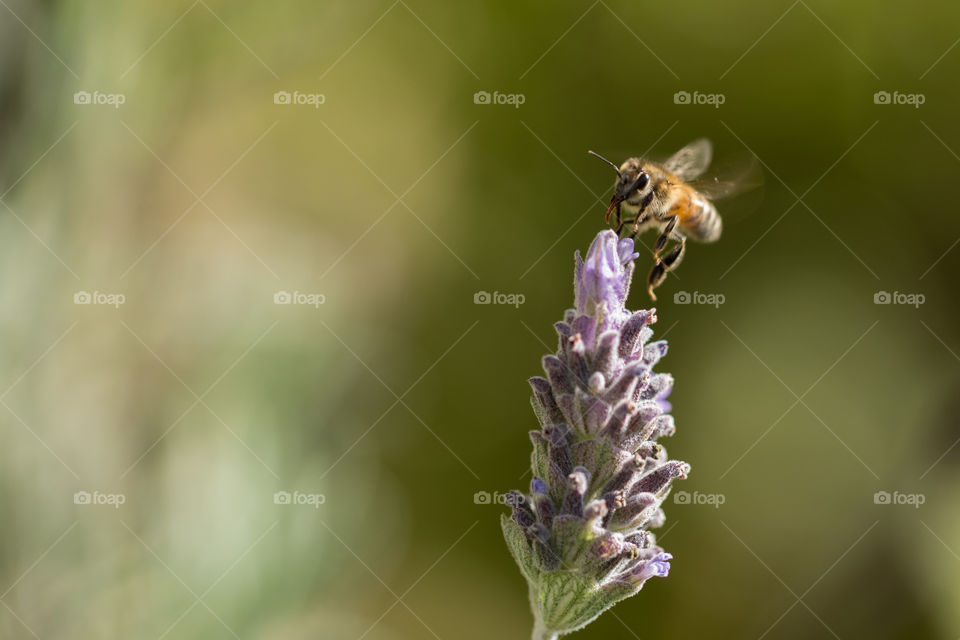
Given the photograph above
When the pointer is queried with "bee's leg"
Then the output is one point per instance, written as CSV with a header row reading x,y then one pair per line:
x,y
660,270
620,221
641,219
642,215
664,236
672,259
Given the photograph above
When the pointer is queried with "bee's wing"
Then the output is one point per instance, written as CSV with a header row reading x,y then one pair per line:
x,y
691,161
717,189
744,178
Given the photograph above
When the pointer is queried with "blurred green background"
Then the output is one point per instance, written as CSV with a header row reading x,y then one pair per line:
x,y
394,202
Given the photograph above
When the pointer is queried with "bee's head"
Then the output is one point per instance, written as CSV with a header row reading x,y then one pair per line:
x,y
632,182
631,186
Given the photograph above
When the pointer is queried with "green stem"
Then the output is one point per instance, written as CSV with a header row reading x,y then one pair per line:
x,y
540,632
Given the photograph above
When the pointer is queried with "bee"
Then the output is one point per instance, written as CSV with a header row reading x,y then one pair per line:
x,y
670,198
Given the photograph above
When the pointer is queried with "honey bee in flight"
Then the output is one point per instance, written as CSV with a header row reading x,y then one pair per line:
x,y
670,198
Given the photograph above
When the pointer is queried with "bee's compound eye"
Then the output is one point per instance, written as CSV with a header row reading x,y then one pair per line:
x,y
642,181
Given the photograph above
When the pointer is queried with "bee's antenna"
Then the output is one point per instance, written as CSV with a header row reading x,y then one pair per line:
x,y
597,155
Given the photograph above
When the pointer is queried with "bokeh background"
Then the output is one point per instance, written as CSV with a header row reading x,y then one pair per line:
x,y
398,399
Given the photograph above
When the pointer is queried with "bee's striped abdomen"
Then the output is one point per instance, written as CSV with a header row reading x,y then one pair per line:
x,y
701,220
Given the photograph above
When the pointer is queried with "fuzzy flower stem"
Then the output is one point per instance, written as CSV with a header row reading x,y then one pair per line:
x,y
542,633
581,536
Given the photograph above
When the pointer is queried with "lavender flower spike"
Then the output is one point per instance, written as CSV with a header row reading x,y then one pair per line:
x,y
581,534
